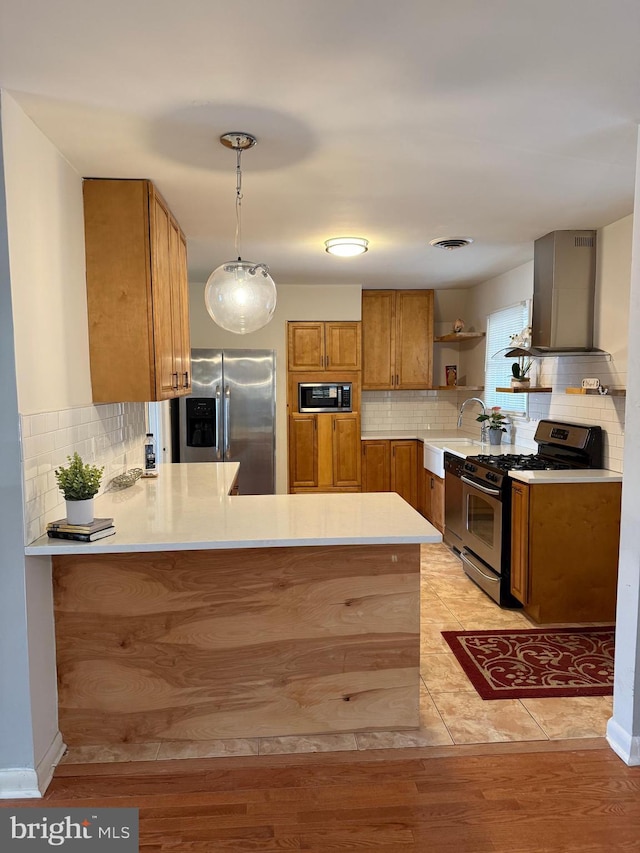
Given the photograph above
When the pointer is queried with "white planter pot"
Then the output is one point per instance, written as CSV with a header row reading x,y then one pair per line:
x,y
520,383
80,512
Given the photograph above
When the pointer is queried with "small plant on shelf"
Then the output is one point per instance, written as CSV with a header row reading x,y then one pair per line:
x,y
494,420
78,481
521,368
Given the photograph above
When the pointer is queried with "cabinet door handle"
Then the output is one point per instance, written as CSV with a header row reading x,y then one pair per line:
x,y
327,361
397,380
432,483
186,379
175,381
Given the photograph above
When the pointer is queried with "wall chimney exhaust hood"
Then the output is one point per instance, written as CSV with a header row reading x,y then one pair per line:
x,y
564,284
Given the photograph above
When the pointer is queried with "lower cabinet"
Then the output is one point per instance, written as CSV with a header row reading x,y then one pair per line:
x,y
391,466
324,452
564,550
432,498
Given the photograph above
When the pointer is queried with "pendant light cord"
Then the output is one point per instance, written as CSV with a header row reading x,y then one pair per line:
x,y
238,237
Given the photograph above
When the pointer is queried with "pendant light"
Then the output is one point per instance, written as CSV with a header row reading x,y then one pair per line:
x,y
240,296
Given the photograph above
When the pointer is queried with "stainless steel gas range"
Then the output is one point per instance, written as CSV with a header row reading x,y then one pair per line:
x,y
478,499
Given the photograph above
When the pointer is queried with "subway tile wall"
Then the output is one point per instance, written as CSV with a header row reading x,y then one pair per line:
x,y
110,435
408,410
600,410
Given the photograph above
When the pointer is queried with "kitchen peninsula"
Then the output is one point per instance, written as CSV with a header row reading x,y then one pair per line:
x,y
210,615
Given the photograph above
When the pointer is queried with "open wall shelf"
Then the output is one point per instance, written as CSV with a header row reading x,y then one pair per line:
x,y
609,392
458,337
531,390
459,388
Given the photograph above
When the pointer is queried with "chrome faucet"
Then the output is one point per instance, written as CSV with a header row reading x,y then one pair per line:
x,y
484,412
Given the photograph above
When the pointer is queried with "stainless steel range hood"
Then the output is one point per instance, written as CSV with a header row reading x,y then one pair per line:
x,y
564,284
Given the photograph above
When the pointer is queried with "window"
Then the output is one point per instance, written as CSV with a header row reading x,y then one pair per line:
x,y
497,371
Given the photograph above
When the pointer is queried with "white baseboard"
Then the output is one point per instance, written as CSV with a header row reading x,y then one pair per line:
x,y
624,744
19,783
49,761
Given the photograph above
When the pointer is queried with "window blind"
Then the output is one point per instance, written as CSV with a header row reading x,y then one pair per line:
x,y
500,326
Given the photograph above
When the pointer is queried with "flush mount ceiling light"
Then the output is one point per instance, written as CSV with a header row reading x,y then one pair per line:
x,y
240,296
451,243
346,247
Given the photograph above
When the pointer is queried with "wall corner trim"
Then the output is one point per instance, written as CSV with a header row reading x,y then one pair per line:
x,y
18,783
625,745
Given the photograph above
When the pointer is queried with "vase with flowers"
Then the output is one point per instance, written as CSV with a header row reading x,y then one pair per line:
x,y
494,422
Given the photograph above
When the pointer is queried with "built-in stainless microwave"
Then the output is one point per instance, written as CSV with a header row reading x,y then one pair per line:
x,y
324,397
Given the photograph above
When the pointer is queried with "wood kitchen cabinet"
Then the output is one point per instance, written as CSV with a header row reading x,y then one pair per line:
x,y
330,346
564,550
391,466
431,498
324,452
397,339
137,293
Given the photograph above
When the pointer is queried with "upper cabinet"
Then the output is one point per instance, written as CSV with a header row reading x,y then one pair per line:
x,y
137,293
319,346
397,339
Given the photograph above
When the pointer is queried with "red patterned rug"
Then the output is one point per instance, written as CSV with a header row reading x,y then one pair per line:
x,y
536,663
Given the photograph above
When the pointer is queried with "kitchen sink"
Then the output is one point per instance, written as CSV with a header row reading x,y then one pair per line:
x,y
434,452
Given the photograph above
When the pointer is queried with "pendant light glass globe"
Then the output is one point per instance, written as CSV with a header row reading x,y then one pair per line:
x,y
240,296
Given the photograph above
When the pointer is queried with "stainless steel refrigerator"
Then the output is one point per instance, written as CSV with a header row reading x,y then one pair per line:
x,y
230,415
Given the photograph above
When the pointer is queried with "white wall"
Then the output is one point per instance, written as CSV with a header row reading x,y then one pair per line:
x,y
46,255
17,762
613,282
295,302
623,730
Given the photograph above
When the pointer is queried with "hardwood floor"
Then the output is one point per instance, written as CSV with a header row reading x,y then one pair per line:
x,y
541,797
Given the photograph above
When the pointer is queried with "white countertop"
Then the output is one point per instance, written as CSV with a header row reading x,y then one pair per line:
x,y
455,442
463,445
187,507
590,475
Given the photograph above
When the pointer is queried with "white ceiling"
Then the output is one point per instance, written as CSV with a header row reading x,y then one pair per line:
x,y
399,121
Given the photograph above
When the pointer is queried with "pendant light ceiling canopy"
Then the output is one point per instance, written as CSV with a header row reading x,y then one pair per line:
x,y
240,296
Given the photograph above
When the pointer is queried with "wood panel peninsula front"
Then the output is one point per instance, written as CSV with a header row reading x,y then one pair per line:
x,y
209,615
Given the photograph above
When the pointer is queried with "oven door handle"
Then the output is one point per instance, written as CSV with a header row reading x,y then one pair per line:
x,y
494,492
465,559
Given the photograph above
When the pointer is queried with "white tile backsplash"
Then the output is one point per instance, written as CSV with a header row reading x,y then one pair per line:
x,y
406,410
110,435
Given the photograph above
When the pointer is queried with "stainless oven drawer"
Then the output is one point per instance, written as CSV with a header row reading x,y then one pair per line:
x,y
481,574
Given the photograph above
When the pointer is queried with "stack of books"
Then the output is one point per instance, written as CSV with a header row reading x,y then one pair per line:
x,y
98,529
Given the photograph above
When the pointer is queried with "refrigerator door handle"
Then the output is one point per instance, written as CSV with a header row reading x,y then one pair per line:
x,y
218,404
227,413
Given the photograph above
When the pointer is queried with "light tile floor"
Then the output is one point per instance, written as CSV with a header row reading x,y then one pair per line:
x,y
451,712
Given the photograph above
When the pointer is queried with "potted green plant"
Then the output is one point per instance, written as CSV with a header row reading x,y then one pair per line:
x,y
494,422
519,370
79,482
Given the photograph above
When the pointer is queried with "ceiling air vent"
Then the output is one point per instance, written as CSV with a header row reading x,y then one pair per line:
x,y
451,243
